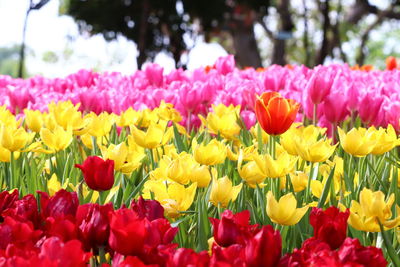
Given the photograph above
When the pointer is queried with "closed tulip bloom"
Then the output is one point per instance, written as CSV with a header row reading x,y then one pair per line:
x,y
223,121
34,119
157,134
358,142
250,172
180,168
200,174
371,209
313,150
98,173
265,248
127,231
275,113
222,192
285,211
391,63
275,168
297,131
330,225
57,139
299,181
209,154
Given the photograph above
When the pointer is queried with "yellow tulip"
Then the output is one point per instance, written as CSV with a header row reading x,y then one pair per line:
x,y
385,140
53,185
358,142
128,117
57,139
297,131
372,209
175,198
14,139
5,154
7,118
160,173
285,211
250,172
67,115
210,154
167,112
299,181
313,150
272,168
99,125
167,150
155,136
34,119
222,191
147,117
124,161
223,121
200,174
180,168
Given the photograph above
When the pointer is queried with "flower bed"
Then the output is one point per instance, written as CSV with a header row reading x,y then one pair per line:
x,y
147,187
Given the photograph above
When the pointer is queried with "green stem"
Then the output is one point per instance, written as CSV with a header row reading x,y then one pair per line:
x,y
309,182
389,248
314,120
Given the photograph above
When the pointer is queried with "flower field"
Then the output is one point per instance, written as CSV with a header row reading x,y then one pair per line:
x,y
283,166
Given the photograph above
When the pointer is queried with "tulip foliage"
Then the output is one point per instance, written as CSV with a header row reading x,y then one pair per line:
x,y
204,181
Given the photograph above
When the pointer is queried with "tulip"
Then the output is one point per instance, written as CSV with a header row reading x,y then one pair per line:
x,y
370,108
99,125
372,210
313,150
125,225
353,252
57,139
174,198
223,192
250,172
386,140
62,204
155,136
275,168
66,115
334,107
223,121
358,142
285,211
150,209
93,224
391,63
13,138
232,228
200,174
275,113
210,154
264,249
319,85
34,120
180,169
330,226
299,181
124,160
98,173
128,117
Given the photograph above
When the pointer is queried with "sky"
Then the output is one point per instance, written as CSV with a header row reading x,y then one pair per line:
x,y
49,32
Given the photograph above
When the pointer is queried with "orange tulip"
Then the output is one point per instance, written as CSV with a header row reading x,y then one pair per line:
x,y
275,113
391,63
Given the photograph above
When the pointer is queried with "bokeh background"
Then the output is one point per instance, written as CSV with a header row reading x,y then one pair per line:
x,y
59,37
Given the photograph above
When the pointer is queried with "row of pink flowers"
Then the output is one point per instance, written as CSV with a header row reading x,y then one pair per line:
x,y
61,232
337,90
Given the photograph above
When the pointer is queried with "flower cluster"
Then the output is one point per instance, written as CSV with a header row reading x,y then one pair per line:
x,y
60,232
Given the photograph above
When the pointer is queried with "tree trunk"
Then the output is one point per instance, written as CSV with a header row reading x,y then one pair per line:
x,y
324,50
22,48
285,31
246,49
143,33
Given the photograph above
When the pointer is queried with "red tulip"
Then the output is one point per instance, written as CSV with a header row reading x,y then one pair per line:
x,y
93,224
187,257
232,228
275,113
127,232
150,209
353,251
233,255
20,234
7,200
25,209
62,204
330,226
69,254
264,249
63,228
98,173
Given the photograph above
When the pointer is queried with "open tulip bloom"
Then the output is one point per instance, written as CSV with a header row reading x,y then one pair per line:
x,y
212,167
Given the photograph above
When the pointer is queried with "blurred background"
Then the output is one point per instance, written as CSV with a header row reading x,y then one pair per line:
x,y
59,37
